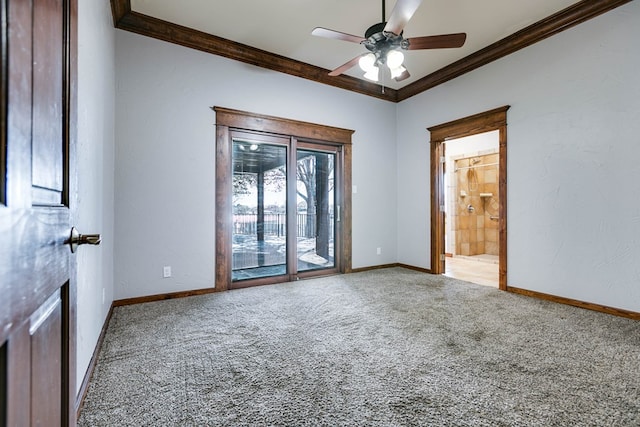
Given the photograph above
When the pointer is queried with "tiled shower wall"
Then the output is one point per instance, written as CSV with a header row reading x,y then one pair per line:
x,y
474,200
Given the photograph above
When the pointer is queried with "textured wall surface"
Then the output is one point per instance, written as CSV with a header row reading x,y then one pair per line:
x,y
95,151
165,141
572,162
572,124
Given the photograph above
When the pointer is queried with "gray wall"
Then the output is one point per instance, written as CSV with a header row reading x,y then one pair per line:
x,y
165,142
573,169
95,151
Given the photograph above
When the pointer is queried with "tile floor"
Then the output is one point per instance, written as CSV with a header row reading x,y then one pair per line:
x,y
479,269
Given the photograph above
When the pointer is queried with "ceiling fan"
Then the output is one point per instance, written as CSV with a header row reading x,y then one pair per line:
x,y
385,43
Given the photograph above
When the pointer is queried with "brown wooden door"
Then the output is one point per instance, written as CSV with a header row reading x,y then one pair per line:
x,y
37,273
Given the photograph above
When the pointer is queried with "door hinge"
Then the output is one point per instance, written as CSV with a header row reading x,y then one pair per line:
x,y
338,213
441,208
443,159
442,257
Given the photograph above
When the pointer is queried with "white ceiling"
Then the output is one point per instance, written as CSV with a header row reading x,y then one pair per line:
x,y
284,27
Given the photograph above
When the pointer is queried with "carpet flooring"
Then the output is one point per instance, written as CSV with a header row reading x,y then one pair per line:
x,y
389,347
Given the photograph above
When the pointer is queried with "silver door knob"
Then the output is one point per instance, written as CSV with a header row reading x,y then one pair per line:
x,y
76,239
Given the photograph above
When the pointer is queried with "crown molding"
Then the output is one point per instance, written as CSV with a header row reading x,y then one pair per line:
x,y
126,19
556,23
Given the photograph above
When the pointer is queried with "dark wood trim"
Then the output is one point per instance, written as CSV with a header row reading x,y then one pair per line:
x,y
120,9
556,23
437,199
470,125
383,266
261,281
502,203
4,78
196,292
419,269
269,124
374,267
126,19
576,303
82,393
347,216
227,121
495,119
161,297
224,209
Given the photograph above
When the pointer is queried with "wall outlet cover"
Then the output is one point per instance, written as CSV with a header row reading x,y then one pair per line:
x,y
166,271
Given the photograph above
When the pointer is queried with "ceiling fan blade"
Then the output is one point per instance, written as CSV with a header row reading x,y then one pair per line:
x,y
405,75
344,67
400,15
437,42
332,34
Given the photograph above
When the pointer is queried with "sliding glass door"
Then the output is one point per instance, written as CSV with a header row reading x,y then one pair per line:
x,y
316,208
259,207
285,209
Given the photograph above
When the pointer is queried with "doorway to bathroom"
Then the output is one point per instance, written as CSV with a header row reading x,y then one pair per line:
x,y
471,201
468,198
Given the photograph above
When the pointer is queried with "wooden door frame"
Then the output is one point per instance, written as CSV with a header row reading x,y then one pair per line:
x,y
487,121
228,120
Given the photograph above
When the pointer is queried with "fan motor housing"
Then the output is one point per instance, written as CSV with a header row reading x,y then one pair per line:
x,y
375,29
379,41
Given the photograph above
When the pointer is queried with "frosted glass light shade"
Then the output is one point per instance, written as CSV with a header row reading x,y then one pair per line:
x,y
367,62
397,72
394,59
372,74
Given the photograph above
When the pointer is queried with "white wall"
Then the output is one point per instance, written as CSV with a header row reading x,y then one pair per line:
x,y
573,168
475,144
165,156
95,151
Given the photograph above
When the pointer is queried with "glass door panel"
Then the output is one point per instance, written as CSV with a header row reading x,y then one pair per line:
x,y
259,210
315,210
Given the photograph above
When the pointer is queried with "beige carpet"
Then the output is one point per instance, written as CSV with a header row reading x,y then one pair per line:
x,y
382,348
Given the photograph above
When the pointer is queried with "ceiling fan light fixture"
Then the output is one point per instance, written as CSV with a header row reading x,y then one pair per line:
x,y
367,62
385,42
372,74
394,59
397,72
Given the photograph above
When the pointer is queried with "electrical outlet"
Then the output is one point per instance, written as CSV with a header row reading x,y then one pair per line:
x,y
379,251
166,271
